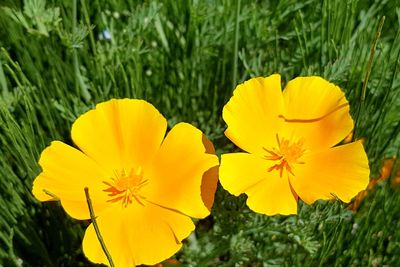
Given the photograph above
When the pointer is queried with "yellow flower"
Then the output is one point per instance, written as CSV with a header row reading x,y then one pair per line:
x,y
289,137
144,188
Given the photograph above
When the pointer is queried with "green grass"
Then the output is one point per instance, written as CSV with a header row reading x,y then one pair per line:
x,y
185,57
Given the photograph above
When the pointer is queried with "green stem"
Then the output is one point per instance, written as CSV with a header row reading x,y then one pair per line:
x,y
368,73
90,29
3,82
236,45
371,58
96,228
74,53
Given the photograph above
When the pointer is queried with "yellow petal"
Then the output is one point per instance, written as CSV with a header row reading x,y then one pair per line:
x,y
252,113
175,179
209,186
210,177
267,192
137,235
66,172
123,133
340,171
315,99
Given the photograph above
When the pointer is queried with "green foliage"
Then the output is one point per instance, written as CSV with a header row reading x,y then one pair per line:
x,y
58,59
35,18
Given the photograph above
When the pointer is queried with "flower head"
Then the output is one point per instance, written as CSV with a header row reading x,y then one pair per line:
x,y
144,188
289,139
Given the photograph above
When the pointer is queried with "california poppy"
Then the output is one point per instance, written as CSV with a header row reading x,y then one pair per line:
x,y
289,141
144,188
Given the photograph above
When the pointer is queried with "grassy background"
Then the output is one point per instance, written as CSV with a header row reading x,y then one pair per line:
x,y
186,57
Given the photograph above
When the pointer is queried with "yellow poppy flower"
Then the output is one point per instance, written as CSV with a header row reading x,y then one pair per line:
x,y
144,188
289,138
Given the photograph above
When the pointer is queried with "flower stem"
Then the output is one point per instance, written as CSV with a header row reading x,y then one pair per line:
x,y
96,228
236,45
367,74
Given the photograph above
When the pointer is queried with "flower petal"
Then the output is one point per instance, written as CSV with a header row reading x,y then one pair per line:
x,y
175,179
308,98
209,186
66,172
340,171
137,235
252,113
210,177
268,193
120,133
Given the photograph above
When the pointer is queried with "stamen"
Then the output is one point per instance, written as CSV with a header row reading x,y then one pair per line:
x,y
125,186
315,119
287,154
273,156
277,140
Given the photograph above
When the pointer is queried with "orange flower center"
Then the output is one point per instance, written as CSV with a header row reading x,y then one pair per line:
x,y
125,186
286,154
